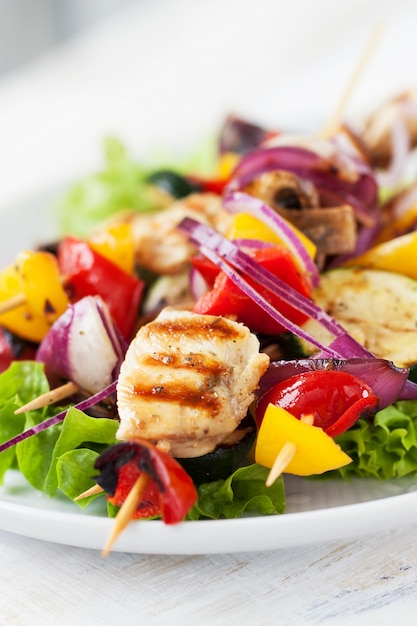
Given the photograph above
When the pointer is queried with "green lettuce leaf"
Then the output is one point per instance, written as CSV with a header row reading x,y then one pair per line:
x,y
34,454
37,457
63,457
74,470
21,382
385,448
79,431
243,492
121,184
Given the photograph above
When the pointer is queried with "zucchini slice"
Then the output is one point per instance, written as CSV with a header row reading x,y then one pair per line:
x,y
378,308
225,459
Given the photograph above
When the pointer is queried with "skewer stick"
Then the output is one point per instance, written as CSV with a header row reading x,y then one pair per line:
x,y
334,122
285,455
126,511
12,303
50,397
94,490
18,299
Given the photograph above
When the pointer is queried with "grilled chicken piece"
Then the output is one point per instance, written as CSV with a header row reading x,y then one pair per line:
x,y
160,246
187,382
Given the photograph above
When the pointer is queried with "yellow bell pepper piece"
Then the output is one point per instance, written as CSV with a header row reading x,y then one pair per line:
x,y
34,276
117,244
399,224
245,226
315,453
396,255
227,163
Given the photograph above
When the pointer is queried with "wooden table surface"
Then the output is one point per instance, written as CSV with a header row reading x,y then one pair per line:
x,y
370,581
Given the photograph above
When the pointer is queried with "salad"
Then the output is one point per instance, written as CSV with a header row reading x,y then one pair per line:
x,y
197,333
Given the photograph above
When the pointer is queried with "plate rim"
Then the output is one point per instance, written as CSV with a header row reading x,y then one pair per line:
x,y
81,529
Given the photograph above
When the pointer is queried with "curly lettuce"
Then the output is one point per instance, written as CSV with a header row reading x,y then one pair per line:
x,y
385,448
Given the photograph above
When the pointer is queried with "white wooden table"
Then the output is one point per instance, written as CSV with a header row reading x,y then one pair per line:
x,y
372,582
156,73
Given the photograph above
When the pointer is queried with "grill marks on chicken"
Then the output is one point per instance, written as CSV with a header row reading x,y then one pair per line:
x,y
188,381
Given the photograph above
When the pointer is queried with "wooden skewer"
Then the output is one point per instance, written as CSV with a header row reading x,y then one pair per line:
x,y
12,303
126,511
50,397
94,490
19,300
334,122
285,455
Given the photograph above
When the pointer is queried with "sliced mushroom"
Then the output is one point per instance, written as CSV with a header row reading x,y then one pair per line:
x,y
333,229
281,189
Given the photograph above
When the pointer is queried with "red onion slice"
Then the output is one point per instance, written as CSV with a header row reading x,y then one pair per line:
x,y
59,417
388,381
239,136
229,258
327,176
238,202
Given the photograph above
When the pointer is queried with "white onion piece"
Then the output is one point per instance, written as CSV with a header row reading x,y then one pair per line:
x,y
91,352
400,141
83,346
198,286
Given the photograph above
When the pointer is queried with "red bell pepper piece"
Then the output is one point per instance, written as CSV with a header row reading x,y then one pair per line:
x,y
227,299
335,399
208,270
169,493
209,185
88,273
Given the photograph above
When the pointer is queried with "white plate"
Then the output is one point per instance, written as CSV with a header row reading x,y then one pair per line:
x,y
317,511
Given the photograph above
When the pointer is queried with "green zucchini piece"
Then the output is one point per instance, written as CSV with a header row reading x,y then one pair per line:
x,y
224,460
172,183
284,346
378,308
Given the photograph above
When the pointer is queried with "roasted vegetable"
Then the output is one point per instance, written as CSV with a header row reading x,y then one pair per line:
x,y
378,308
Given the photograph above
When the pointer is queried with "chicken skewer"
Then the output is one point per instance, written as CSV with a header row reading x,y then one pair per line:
x,y
185,385
187,382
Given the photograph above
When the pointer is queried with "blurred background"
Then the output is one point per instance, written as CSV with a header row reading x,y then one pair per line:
x,y
166,72
29,27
